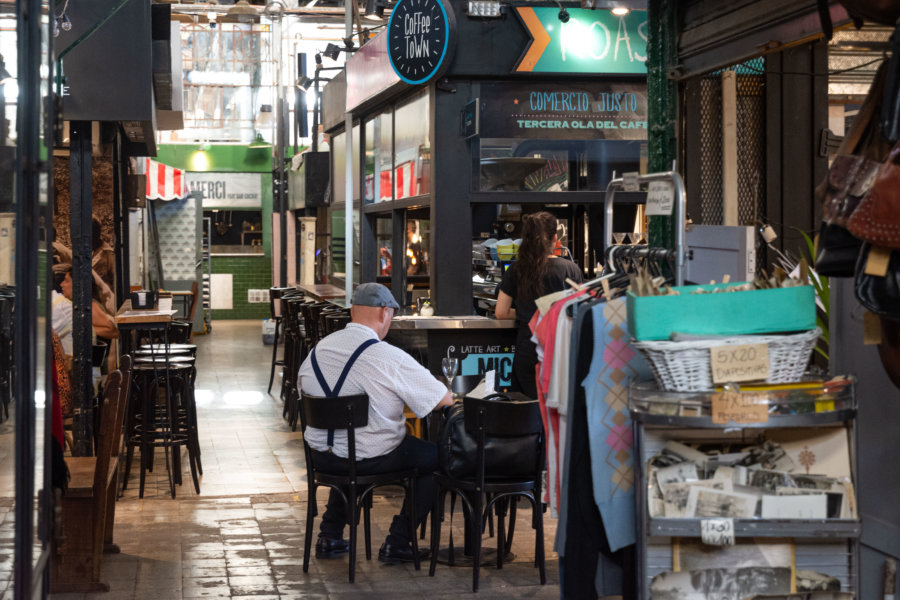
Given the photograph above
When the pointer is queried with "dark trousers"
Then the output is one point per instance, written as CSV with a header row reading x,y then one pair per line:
x,y
412,453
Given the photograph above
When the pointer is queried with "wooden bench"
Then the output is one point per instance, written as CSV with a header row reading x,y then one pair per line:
x,y
88,508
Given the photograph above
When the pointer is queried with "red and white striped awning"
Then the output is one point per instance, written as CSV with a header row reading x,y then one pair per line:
x,y
164,182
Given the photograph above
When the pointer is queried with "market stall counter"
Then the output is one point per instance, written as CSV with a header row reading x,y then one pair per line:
x,y
480,344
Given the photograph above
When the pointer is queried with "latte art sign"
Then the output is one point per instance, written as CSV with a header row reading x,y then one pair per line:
x,y
419,39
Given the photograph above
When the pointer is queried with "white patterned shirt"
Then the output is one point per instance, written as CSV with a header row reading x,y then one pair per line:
x,y
389,376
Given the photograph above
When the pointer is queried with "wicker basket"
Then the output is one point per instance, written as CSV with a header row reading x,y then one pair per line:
x,y
685,366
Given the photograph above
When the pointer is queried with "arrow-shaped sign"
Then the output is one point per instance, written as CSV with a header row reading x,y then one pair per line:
x,y
591,41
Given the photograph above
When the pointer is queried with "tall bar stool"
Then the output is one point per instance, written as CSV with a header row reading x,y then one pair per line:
x,y
295,352
275,294
163,421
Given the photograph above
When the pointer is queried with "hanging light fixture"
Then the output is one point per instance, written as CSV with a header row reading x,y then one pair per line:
x,y
374,10
259,142
243,11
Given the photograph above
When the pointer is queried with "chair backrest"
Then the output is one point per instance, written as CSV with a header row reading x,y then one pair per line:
x,y
503,417
108,417
195,297
275,293
340,412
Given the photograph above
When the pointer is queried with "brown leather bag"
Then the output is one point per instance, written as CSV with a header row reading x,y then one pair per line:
x,y
877,218
859,157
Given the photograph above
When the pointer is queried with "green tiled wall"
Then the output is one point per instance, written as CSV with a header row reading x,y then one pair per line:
x,y
250,272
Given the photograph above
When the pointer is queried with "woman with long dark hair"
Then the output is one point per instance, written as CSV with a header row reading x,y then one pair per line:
x,y
536,272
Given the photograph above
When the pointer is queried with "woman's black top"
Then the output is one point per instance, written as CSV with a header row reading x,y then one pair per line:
x,y
554,280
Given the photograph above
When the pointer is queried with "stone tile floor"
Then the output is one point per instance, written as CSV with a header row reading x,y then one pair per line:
x,y
242,536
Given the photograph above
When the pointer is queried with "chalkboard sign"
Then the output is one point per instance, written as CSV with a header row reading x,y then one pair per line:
x,y
420,39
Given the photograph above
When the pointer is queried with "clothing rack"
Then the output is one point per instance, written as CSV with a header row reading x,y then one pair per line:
x,y
618,184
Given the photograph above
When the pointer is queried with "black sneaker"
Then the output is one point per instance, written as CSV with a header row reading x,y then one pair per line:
x,y
393,554
329,548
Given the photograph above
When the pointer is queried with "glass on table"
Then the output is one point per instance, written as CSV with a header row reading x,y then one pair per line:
x,y
449,366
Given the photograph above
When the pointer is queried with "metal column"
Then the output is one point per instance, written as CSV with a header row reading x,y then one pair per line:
x,y
662,97
80,214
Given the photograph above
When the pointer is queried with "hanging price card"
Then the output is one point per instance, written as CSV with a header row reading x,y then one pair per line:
x,y
630,182
729,406
717,532
744,362
660,199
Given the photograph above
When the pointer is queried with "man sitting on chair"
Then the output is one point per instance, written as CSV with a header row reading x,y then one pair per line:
x,y
391,378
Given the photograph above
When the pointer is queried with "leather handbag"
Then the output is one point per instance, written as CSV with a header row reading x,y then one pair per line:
x,y
877,218
850,177
880,295
837,251
517,457
853,170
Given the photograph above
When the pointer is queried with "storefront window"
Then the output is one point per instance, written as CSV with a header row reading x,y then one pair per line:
x,y
379,157
418,240
552,138
339,162
338,244
412,149
384,239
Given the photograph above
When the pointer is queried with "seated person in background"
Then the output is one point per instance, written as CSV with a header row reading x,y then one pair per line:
x,y
103,324
391,378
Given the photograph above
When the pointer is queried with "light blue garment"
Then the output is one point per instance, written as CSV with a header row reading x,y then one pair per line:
x,y
614,366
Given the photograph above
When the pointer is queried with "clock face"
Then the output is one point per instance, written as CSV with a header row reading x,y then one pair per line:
x,y
418,37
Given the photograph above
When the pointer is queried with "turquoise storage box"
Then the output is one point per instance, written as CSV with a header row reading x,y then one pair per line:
x,y
725,313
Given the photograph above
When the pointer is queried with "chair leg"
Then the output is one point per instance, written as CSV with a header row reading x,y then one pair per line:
x,y
539,539
310,515
477,528
512,523
437,515
353,509
411,497
367,524
500,508
274,358
490,519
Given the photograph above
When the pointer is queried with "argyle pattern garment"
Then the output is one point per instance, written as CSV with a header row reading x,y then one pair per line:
x,y
614,366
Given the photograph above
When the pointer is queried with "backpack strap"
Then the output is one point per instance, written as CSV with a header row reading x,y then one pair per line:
x,y
333,393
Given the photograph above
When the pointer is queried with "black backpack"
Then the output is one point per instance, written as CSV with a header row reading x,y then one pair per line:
x,y
513,457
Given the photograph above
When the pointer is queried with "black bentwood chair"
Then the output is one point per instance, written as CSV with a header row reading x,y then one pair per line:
x,y
481,493
347,413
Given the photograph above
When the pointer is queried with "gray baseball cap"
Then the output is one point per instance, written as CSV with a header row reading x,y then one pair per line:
x,y
373,294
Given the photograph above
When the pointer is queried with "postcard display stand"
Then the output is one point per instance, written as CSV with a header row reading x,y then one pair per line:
x,y
826,546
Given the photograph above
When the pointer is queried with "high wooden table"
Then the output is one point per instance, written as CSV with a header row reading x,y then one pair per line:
x,y
129,320
322,291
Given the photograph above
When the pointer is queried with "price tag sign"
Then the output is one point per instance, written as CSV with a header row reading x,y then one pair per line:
x,y
660,199
744,362
717,532
739,408
630,182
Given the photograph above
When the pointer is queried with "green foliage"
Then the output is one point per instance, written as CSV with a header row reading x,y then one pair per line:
x,y
823,292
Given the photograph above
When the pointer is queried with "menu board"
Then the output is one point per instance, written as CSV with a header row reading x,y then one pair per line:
x,y
589,110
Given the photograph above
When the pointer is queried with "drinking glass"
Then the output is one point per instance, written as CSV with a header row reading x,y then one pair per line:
x,y
618,238
449,366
